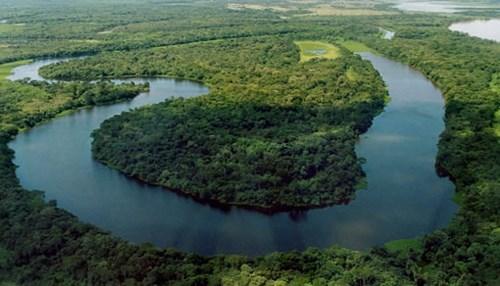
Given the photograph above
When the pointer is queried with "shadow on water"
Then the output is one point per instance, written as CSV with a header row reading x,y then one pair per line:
x,y
405,198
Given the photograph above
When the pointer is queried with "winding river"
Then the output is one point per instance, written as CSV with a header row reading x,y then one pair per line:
x,y
405,198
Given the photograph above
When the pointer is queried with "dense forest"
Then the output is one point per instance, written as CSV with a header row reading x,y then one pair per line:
x,y
25,103
273,133
465,69
41,244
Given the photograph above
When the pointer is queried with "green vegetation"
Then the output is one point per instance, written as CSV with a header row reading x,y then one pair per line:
x,y
6,69
495,82
10,28
462,67
317,50
404,245
272,134
26,103
496,124
41,244
356,47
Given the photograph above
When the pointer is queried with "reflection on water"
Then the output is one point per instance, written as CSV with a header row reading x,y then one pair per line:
x,y
405,198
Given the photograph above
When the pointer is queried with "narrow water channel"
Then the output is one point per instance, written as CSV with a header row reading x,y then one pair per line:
x,y
405,198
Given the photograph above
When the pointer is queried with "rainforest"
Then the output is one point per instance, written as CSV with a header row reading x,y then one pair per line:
x,y
249,143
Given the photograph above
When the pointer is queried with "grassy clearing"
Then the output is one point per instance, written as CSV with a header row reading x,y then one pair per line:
x,y
317,50
403,245
8,28
6,69
356,47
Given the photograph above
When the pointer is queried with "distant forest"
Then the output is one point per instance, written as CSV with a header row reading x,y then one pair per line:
x,y
286,125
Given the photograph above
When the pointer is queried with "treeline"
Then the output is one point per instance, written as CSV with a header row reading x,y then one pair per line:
x,y
272,134
58,29
25,103
41,244
465,69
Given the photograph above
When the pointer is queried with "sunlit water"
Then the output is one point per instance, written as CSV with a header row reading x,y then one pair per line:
x,y
484,29
386,34
436,6
405,198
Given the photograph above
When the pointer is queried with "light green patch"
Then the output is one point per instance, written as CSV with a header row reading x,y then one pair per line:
x,y
352,75
403,245
464,133
317,50
496,124
356,47
495,82
496,233
6,69
458,198
9,28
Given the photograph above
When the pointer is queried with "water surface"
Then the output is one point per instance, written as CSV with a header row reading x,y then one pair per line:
x,y
386,34
435,6
405,198
484,29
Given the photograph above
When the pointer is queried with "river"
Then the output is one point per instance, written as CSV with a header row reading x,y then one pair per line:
x,y
405,198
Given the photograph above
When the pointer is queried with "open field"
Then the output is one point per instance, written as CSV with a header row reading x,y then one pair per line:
x,y
317,50
5,28
355,47
312,9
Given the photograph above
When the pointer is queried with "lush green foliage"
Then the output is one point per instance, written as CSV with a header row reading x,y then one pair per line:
x,y
273,133
26,103
43,245
469,150
6,69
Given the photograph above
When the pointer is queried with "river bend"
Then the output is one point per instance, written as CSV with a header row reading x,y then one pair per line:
x,y
405,198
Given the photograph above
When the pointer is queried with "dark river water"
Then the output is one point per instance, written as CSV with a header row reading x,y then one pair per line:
x,y
404,198
484,29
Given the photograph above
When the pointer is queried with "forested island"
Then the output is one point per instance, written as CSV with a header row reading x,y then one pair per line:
x,y
273,132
